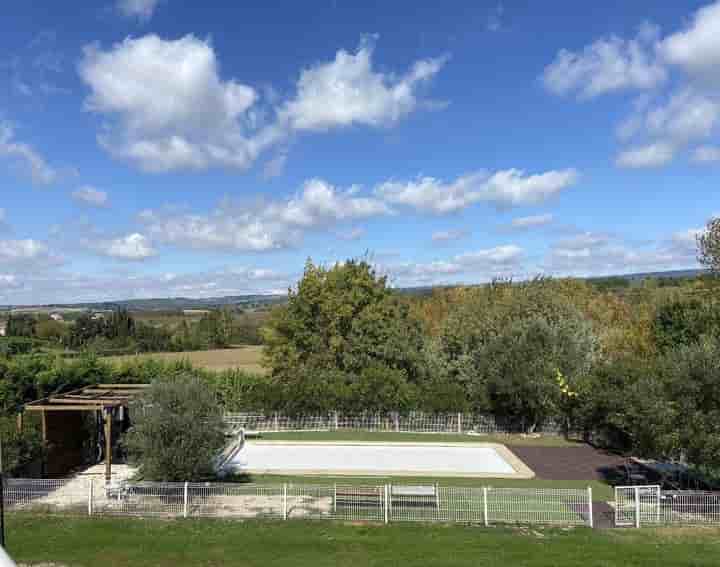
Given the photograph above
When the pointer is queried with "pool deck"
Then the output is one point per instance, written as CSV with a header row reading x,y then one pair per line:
x,y
519,468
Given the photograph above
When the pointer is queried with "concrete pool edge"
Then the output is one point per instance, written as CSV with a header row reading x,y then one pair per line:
x,y
522,471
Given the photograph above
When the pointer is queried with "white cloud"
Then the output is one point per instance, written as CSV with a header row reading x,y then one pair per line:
x,y
607,65
478,265
697,47
89,195
448,235
706,154
133,246
596,254
25,157
268,225
349,91
532,221
56,286
505,188
21,250
687,115
500,255
141,9
171,108
651,155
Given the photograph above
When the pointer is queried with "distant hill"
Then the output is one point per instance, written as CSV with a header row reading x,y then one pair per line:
x,y
259,301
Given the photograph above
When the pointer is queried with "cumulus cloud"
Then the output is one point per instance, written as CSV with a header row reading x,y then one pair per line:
x,y
264,225
697,47
706,154
15,250
596,254
25,157
478,265
91,196
141,9
662,123
607,65
57,286
170,109
349,91
651,155
505,188
131,247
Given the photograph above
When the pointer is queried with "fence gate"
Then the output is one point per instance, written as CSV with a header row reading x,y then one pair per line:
x,y
637,505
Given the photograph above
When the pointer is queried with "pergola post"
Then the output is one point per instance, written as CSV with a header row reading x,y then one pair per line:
x,y
107,413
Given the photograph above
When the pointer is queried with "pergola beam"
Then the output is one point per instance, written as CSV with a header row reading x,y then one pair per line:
x,y
100,397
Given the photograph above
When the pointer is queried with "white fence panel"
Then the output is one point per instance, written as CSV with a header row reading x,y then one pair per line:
x,y
413,422
225,500
46,495
144,499
690,507
538,506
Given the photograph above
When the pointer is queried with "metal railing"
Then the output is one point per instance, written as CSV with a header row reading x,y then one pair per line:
x,y
650,506
371,503
413,422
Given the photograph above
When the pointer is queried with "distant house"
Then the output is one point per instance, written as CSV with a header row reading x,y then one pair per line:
x,y
56,317
3,328
97,316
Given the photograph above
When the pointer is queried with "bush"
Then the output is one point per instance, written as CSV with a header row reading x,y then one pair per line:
x,y
177,431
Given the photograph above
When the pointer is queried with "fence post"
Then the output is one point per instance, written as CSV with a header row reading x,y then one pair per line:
x,y
459,423
275,422
284,501
90,497
637,506
397,422
185,500
485,507
336,421
590,507
387,505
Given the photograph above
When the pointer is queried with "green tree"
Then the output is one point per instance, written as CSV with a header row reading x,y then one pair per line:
x,y
21,325
686,322
177,431
709,246
339,323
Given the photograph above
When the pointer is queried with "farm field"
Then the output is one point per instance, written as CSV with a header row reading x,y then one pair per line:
x,y
243,358
119,542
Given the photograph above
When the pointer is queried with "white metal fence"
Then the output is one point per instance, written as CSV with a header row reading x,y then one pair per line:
x,y
414,422
649,505
373,503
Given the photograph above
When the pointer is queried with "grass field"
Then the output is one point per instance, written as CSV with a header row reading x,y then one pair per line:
x,y
243,358
125,542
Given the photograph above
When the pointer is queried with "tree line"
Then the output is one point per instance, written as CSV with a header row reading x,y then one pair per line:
x,y
120,332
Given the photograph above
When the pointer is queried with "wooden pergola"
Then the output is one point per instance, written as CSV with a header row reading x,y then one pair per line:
x,y
104,398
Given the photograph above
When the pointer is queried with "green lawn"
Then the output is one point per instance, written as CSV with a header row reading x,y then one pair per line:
x,y
138,543
543,441
601,491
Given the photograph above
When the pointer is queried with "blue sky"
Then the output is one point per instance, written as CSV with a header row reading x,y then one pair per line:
x,y
165,148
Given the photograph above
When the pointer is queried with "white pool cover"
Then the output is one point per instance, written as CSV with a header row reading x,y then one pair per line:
x,y
420,459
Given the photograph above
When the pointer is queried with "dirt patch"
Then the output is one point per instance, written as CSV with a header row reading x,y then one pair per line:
x,y
581,462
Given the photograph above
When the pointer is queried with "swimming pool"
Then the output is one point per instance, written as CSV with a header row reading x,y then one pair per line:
x,y
379,459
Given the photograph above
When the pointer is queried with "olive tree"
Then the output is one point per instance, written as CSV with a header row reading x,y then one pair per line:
x,y
177,430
